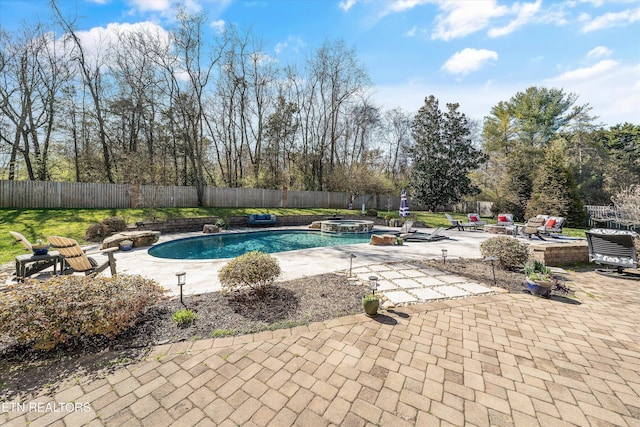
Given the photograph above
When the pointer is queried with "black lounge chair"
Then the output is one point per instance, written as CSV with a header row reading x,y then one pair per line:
x,y
461,226
435,235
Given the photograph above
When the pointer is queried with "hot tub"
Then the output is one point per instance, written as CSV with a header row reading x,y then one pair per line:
x,y
346,226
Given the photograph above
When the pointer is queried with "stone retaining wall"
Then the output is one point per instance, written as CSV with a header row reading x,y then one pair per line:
x,y
559,254
176,225
181,225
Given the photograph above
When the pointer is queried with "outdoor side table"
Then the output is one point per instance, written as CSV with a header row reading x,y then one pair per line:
x,y
28,264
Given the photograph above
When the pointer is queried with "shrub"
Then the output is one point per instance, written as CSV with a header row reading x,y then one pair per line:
x,y
115,224
254,270
372,212
222,224
184,317
510,252
45,314
96,233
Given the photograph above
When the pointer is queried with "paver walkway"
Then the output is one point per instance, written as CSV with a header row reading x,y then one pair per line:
x,y
404,284
499,360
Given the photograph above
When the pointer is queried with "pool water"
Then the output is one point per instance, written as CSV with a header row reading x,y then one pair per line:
x,y
231,245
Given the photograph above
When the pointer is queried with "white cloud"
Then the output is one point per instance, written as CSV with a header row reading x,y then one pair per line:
x,y
598,52
596,3
402,5
150,5
296,44
415,31
614,94
587,72
612,19
460,18
218,25
347,4
617,104
468,60
525,12
98,41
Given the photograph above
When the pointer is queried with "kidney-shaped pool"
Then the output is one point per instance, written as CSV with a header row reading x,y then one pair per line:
x,y
231,245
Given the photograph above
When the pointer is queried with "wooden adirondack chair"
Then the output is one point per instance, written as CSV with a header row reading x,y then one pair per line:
x,y
78,261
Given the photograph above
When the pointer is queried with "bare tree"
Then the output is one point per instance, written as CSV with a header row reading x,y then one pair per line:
x,y
91,71
394,135
136,110
187,70
33,72
334,79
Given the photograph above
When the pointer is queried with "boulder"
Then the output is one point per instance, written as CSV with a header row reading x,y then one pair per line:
x,y
139,239
315,224
210,228
382,239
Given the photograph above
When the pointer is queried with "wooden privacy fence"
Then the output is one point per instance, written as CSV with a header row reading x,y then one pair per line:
x,y
45,194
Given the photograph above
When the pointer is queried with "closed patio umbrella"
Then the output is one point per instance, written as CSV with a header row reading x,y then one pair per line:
x,y
404,205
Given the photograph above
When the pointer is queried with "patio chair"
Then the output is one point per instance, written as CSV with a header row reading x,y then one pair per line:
x,y
78,261
505,219
532,228
552,224
437,234
23,240
407,228
618,248
475,218
461,226
33,262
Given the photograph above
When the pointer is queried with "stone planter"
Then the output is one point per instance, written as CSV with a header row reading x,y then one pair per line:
x,y
126,245
39,250
370,305
539,287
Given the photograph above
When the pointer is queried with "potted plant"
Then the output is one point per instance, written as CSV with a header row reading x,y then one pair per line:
x,y
40,248
370,304
540,280
126,245
399,240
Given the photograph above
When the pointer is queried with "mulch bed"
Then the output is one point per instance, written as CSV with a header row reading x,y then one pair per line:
x,y
481,271
24,371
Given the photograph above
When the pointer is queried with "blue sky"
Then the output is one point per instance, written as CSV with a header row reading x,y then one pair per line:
x,y
472,52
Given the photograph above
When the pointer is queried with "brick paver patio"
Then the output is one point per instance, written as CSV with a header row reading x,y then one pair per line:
x,y
492,360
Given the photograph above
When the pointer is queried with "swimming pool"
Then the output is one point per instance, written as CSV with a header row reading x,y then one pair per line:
x,y
231,245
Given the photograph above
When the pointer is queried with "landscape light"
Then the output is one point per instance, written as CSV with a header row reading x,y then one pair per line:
x,y
182,280
373,282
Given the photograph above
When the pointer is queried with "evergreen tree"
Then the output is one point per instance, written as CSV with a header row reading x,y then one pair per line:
x,y
442,155
555,191
515,189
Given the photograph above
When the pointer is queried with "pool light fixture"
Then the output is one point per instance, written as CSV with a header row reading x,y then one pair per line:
x,y
182,280
444,256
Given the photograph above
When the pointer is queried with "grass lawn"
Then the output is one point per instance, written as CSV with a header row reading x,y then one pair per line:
x,y
39,223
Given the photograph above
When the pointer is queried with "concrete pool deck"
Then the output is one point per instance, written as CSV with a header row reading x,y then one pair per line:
x,y
202,276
